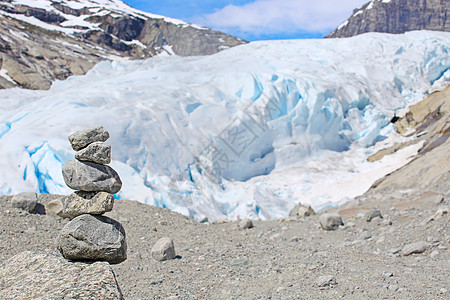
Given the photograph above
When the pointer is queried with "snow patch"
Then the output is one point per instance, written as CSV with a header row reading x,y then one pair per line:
x,y
4,74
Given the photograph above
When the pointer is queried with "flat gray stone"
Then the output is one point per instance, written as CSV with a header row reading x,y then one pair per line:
x,y
418,247
25,201
94,203
31,275
98,152
93,238
91,177
330,221
82,138
163,249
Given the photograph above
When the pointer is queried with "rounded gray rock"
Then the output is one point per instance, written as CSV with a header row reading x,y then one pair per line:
x,y
246,224
93,238
164,249
330,221
98,152
91,177
372,214
82,138
94,203
25,201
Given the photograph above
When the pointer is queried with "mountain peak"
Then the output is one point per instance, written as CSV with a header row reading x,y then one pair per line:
x,y
45,40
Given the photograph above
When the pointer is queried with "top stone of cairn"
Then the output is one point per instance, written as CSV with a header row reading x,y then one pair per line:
x,y
83,138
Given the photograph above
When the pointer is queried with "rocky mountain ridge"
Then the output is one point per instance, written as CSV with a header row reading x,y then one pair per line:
x,y
395,16
46,40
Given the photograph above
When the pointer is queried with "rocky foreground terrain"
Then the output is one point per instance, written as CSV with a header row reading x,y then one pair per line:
x,y
404,254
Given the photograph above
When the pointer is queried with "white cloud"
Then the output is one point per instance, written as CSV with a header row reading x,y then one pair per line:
x,y
282,16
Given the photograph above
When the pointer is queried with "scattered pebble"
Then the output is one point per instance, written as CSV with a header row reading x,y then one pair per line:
x,y
393,287
330,221
372,214
164,249
246,224
418,247
24,201
326,281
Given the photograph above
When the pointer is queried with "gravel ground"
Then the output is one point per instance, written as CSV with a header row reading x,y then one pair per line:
x,y
283,259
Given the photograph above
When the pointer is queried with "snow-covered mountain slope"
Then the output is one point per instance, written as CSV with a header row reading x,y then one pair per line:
x,y
43,40
249,131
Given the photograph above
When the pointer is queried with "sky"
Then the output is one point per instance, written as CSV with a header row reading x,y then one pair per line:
x,y
258,19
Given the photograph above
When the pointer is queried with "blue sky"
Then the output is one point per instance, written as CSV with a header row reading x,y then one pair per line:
x,y
258,19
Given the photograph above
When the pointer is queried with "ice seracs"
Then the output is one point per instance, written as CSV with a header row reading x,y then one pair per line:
x,y
247,132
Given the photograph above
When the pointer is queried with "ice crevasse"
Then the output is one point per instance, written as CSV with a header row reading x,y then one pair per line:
x,y
247,132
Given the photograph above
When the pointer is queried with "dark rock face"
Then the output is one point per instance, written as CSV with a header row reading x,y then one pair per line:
x,y
396,16
38,56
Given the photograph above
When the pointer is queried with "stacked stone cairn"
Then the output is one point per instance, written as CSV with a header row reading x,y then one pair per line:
x,y
89,236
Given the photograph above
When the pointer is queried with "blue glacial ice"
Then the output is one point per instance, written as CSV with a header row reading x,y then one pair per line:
x,y
249,131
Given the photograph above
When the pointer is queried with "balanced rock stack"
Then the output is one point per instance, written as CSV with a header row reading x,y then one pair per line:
x,y
89,236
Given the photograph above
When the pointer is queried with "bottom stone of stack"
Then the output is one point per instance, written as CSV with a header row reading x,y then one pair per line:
x,y
93,238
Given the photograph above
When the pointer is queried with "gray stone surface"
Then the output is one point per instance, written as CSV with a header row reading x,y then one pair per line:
x,y
25,201
32,275
94,238
82,138
372,214
418,247
94,203
246,224
164,249
98,152
330,221
91,177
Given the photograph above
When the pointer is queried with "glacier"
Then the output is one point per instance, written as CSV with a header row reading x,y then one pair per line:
x,y
247,132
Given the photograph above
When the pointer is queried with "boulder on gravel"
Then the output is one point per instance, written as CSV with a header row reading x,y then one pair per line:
x,y
98,152
91,177
31,275
301,211
245,224
164,249
25,201
372,214
82,138
94,238
330,221
418,247
94,203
